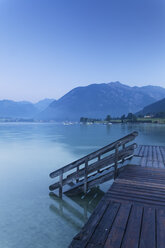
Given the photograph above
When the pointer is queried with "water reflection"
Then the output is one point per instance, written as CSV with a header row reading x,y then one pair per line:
x,y
75,210
28,153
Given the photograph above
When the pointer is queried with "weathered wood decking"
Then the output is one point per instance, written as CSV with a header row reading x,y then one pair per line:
x,y
132,213
151,156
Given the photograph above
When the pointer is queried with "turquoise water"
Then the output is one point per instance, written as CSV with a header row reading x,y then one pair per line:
x,y
29,216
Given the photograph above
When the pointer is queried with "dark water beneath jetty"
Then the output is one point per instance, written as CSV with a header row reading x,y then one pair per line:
x,y
29,216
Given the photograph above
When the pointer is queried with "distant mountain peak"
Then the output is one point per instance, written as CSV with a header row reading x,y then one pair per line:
x,y
115,83
118,85
99,100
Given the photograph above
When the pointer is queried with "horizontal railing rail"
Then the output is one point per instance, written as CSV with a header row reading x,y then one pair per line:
x,y
120,154
93,155
109,160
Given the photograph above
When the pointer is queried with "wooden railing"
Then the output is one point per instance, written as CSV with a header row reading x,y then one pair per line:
x,y
96,162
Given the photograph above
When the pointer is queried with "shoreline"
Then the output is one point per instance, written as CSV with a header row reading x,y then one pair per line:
x,y
65,123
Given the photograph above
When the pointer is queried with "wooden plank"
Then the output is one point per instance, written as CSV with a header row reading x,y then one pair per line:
x,y
149,182
105,225
133,167
61,186
85,182
159,156
138,177
116,234
143,172
131,198
160,218
136,168
141,151
126,178
135,188
148,235
82,238
146,175
143,161
132,234
77,176
149,157
155,159
140,173
116,161
137,151
90,245
159,192
143,179
99,158
162,150
136,201
136,192
154,185
137,196
145,151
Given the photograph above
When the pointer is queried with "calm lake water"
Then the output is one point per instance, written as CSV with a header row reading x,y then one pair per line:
x,y
29,216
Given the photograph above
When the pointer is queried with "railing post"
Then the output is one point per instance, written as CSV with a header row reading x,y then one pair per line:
x,y
77,180
123,146
116,161
98,160
85,177
61,185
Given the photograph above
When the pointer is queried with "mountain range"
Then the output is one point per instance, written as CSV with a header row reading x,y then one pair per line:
x,y
153,108
23,109
99,100
93,101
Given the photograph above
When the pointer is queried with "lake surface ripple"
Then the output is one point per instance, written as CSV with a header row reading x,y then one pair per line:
x,y
29,215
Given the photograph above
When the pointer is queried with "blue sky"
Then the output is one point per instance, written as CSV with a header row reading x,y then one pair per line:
x,y
48,47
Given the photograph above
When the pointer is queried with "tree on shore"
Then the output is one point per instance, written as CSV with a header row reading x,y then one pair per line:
x,y
131,117
85,120
108,118
123,117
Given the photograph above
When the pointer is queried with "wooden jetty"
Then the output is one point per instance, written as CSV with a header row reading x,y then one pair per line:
x,y
132,212
95,168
